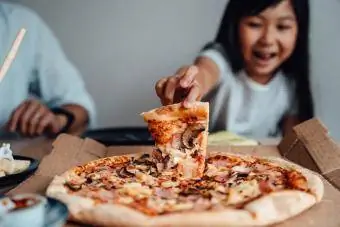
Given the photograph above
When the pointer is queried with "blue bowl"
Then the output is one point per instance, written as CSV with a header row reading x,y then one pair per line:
x,y
56,213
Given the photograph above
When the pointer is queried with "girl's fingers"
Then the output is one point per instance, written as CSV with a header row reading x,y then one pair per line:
x,y
170,89
159,87
189,76
176,87
194,95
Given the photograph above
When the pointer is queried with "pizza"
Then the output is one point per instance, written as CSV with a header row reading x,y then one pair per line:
x,y
235,190
181,136
180,184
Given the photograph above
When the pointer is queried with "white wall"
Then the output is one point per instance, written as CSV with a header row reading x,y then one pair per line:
x,y
123,47
325,62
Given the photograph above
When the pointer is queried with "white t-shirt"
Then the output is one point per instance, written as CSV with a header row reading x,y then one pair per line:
x,y
245,107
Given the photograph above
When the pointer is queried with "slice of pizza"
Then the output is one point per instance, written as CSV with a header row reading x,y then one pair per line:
x,y
180,136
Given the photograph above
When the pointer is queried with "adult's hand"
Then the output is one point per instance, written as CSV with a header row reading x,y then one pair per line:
x,y
33,118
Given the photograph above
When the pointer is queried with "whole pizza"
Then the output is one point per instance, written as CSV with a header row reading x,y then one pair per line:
x,y
180,184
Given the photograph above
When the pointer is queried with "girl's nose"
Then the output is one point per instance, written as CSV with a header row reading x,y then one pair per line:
x,y
268,37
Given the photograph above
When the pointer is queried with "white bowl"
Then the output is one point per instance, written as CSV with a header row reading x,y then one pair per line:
x,y
32,215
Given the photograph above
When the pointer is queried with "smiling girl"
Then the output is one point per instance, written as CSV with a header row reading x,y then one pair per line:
x,y
256,74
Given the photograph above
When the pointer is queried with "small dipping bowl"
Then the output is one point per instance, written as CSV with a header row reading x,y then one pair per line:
x,y
22,210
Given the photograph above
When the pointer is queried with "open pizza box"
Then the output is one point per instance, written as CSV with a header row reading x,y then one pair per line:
x,y
308,145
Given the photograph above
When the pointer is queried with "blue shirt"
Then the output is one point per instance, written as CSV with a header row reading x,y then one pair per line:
x,y
40,68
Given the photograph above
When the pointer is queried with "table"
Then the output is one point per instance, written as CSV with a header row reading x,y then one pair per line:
x,y
325,214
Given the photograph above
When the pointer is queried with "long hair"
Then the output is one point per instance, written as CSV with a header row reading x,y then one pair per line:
x,y
296,67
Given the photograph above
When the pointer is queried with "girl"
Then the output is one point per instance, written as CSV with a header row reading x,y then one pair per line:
x,y
256,74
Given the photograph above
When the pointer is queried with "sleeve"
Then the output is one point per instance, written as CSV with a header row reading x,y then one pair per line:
x,y
59,81
222,64
218,98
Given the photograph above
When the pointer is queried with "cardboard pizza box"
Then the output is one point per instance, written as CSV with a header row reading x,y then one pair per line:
x,y
69,151
310,145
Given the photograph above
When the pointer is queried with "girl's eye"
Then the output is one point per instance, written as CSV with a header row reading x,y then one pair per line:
x,y
282,27
253,24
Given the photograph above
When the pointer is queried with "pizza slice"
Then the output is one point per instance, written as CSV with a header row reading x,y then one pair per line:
x,y
180,136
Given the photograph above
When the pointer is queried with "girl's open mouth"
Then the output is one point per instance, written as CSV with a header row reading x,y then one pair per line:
x,y
264,56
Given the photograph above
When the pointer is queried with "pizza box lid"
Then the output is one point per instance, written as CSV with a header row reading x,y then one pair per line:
x,y
310,145
69,151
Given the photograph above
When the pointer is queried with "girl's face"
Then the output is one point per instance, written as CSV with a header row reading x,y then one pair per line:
x,y
268,39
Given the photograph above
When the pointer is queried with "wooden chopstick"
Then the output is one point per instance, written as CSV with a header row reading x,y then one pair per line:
x,y
12,53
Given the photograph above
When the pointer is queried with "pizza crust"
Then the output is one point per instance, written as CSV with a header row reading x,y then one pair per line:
x,y
84,210
257,213
279,206
314,181
269,209
111,215
175,111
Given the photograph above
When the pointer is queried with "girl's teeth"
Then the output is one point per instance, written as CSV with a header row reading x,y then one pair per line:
x,y
264,56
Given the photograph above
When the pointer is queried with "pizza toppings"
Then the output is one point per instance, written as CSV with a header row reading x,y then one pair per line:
x,y
165,193
297,180
243,191
241,170
180,136
135,190
228,181
123,173
190,135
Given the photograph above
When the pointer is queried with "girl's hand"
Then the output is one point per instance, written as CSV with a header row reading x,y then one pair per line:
x,y
182,87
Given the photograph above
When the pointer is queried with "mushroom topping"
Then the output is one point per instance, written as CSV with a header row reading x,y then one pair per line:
x,y
176,141
166,161
131,169
144,156
124,173
144,159
75,184
157,155
190,135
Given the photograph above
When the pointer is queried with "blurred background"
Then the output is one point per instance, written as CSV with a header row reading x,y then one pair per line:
x,y
122,47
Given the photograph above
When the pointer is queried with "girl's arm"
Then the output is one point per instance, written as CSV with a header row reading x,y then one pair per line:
x,y
208,74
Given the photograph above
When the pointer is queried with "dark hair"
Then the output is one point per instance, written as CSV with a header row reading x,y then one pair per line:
x,y
296,67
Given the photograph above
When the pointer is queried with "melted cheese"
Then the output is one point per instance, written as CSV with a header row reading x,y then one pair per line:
x,y
182,206
189,166
169,184
145,178
125,200
136,190
241,169
211,170
243,192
